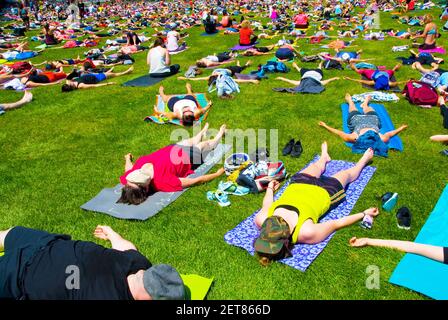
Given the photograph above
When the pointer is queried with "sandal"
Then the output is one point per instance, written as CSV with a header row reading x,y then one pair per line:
x,y
233,188
220,197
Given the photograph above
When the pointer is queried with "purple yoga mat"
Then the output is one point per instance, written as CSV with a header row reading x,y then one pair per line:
x,y
239,47
436,50
244,234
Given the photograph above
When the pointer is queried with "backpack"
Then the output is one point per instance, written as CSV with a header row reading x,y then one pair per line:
x,y
432,78
275,66
332,64
420,93
20,67
225,85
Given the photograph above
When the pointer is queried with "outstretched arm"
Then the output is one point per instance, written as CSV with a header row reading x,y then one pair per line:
x,y
432,252
345,136
388,135
118,243
189,182
168,114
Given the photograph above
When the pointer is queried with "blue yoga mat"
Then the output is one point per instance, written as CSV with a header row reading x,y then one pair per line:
x,y
421,274
244,234
386,122
205,34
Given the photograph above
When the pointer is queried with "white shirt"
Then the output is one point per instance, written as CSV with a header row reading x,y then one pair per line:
x,y
157,61
171,38
183,104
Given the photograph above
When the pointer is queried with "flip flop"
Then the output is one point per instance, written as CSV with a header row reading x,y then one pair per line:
x,y
220,197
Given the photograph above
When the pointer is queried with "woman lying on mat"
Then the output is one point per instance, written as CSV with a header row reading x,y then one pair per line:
x,y
159,61
34,267
167,169
294,217
27,97
365,127
230,70
92,80
378,78
435,253
215,60
258,51
430,34
46,78
346,56
185,108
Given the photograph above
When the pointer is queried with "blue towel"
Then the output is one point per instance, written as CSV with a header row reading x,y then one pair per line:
x,y
386,124
421,274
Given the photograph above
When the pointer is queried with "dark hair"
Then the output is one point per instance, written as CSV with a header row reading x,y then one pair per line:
x,y
133,196
265,258
212,79
67,87
200,64
188,120
159,42
87,65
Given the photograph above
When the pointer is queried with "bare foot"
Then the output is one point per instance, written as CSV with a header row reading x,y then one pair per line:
x,y
367,100
28,96
128,157
348,97
324,153
223,130
441,101
367,156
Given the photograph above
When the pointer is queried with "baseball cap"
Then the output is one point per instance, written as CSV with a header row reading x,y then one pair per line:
x,y
139,176
273,237
163,282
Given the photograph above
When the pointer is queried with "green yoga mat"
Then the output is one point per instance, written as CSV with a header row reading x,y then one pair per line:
x,y
196,286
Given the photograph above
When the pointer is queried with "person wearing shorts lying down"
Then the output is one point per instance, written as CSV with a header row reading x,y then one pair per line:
x,y
92,80
167,169
36,266
311,79
27,97
361,124
347,56
294,217
229,70
185,108
258,51
46,78
436,253
214,60
380,79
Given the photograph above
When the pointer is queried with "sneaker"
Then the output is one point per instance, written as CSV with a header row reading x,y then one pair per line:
x,y
288,148
444,152
297,149
367,222
230,187
389,200
404,218
220,197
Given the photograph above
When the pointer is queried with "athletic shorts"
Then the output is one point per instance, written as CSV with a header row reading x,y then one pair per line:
x,y
357,113
332,185
445,255
284,54
196,156
87,79
39,78
21,245
425,46
262,49
172,101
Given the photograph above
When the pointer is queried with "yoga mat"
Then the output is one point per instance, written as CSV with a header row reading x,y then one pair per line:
x,y
386,124
421,274
143,81
244,234
205,34
392,89
179,51
196,287
435,50
201,98
105,201
240,47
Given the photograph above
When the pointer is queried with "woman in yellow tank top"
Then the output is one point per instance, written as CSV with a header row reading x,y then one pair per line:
x,y
294,217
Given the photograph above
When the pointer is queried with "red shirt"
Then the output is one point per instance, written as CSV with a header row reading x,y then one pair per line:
x,y
245,36
170,163
54,76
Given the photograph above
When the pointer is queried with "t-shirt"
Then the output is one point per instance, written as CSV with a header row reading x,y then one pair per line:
x,y
313,74
170,163
102,272
369,73
171,39
54,76
443,80
245,36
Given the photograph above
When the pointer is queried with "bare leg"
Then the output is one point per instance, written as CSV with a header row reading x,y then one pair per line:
x,y
440,138
317,168
365,105
25,99
196,140
165,98
348,176
368,82
188,86
113,75
3,235
351,104
210,145
325,82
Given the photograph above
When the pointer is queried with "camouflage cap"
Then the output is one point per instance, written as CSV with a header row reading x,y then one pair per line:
x,y
274,235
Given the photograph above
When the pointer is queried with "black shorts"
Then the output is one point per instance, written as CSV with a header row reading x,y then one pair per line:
x,y
39,78
445,255
332,185
262,49
236,69
87,79
196,156
173,100
305,70
21,245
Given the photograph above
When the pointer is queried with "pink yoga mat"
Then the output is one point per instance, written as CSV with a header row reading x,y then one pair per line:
x,y
436,50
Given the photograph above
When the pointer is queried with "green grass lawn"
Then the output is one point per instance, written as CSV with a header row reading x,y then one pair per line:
x,y
59,151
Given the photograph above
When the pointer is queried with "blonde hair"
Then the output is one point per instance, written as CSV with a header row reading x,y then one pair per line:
x,y
264,261
428,18
245,24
